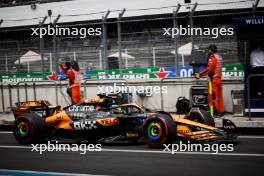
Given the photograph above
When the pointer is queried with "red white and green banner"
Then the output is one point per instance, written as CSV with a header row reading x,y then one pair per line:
x,y
130,73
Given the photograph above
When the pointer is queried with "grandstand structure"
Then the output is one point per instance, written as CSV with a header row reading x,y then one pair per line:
x,y
136,34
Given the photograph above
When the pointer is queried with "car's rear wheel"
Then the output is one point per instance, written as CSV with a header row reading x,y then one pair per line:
x,y
159,129
28,128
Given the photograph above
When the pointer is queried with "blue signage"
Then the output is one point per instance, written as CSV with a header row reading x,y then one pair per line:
x,y
249,21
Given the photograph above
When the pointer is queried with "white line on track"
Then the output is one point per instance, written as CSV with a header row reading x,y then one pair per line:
x,y
6,132
155,151
188,153
251,137
19,172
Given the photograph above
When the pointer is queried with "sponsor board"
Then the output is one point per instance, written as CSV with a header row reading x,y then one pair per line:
x,y
133,73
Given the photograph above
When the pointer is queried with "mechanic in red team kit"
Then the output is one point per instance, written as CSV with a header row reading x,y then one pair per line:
x,y
214,71
75,78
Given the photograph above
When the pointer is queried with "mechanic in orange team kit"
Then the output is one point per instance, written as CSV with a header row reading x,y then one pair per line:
x,y
75,78
214,71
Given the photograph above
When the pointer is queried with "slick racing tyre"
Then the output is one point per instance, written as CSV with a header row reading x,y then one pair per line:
x,y
201,116
159,129
28,128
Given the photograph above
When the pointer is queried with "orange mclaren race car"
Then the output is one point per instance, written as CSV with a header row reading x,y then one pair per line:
x,y
38,120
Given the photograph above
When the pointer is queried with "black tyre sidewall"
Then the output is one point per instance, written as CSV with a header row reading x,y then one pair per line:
x,y
35,125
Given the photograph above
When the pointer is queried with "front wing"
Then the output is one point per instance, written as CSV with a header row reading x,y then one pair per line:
x,y
200,132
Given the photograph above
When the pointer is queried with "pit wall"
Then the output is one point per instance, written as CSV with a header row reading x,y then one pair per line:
x,y
175,88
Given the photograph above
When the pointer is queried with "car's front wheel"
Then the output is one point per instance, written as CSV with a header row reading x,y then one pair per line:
x,y
159,129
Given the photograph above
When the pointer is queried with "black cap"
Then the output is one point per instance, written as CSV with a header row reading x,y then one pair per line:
x,y
75,65
213,48
68,65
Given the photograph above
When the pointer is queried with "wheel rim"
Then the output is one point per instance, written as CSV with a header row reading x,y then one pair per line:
x,y
154,131
22,130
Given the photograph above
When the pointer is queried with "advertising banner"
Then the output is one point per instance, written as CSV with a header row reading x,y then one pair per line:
x,y
131,73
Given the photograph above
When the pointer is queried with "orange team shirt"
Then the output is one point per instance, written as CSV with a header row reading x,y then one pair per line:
x,y
210,70
69,73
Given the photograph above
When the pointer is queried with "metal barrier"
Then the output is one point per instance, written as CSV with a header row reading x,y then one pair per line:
x,y
9,86
63,94
34,88
2,97
119,79
248,92
58,86
10,93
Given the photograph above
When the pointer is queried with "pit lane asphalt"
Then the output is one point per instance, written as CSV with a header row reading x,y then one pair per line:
x,y
247,159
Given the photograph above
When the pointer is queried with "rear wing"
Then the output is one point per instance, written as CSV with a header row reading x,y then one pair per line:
x,y
24,107
40,103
